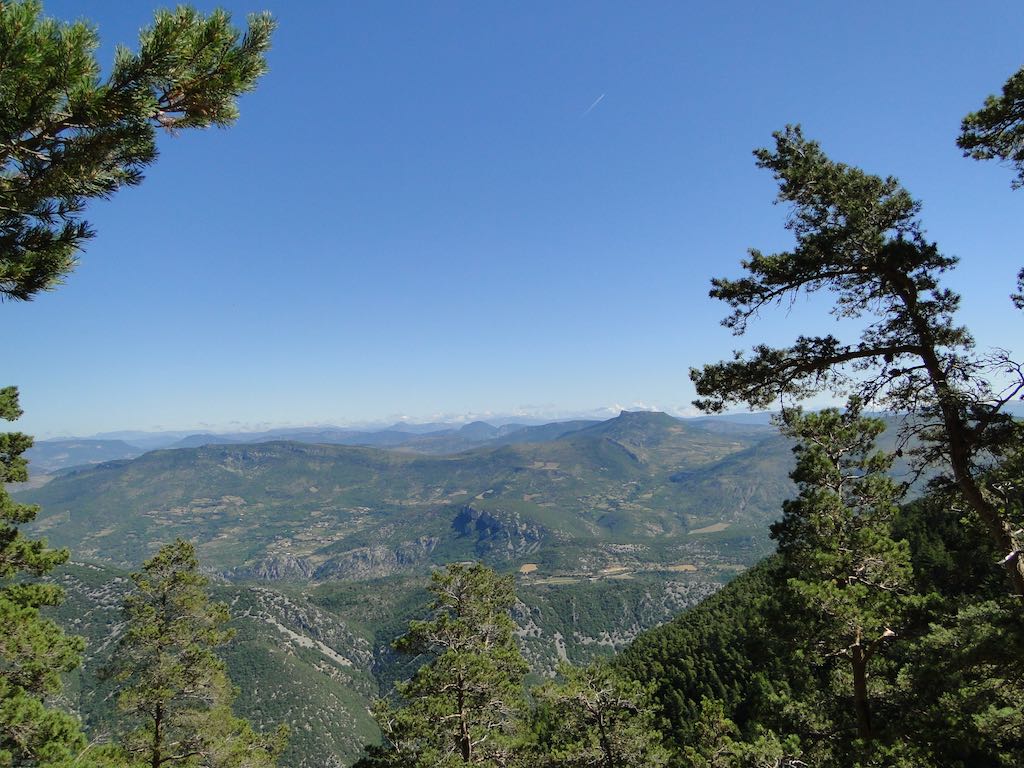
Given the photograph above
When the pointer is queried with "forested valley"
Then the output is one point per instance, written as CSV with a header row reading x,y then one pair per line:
x,y
842,587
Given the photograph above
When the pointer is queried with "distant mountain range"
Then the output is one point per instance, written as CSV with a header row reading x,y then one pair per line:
x,y
566,496
49,456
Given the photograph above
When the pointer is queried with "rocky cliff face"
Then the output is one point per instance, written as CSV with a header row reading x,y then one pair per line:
x,y
273,568
376,561
581,622
498,532
360,563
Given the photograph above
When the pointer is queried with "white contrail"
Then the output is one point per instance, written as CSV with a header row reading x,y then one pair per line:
x,y
591,107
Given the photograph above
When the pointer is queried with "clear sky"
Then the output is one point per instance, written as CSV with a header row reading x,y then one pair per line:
x,y
482,207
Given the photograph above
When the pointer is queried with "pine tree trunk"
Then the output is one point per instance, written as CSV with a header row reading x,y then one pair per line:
x,y
156,759
959,459
465,741
606,746
860,691
957,431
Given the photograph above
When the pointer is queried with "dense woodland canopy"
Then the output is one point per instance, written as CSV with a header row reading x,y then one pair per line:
x,y
882,633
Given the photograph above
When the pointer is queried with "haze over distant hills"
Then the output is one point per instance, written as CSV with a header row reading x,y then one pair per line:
x,y
48,456
568,495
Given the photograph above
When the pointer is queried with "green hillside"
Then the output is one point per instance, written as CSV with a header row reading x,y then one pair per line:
x,y
322,551
946,693
636,490
316,657
292,661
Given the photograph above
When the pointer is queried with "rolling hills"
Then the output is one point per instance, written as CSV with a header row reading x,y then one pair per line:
x,y
49,456
630,491
322,551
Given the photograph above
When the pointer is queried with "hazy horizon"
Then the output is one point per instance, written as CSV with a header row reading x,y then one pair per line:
x,y
535,416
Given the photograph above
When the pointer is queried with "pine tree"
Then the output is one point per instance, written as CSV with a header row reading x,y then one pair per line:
x,y
964,671
465,705
996,131
594,718
718,744
175,690
33,650
836,543
68,136
858,237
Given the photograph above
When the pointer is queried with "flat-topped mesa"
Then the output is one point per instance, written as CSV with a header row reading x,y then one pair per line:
x,y
647,417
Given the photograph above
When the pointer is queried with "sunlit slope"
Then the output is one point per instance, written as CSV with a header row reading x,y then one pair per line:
x,y
316,657
642,487
292,662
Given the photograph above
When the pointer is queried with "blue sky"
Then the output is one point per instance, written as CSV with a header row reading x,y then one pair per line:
x,y
423,212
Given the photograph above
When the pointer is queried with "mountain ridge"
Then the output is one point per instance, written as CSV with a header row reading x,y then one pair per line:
x,y
573,502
